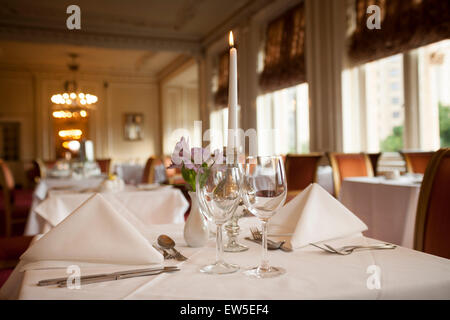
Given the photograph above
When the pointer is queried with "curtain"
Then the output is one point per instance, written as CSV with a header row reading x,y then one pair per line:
x,y
284,61
405,25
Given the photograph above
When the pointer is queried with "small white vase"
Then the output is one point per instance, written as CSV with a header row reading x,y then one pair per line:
x,y
196,232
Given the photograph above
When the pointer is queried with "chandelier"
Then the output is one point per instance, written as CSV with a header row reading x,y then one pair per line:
x,y
72,103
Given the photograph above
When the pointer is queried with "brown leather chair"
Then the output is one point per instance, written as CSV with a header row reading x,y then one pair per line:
x,y
432,230
416,162
301,171
10,251
104,164
374,157
16,203
346,165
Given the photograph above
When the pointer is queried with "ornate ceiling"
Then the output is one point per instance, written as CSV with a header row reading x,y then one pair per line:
x,y
175,25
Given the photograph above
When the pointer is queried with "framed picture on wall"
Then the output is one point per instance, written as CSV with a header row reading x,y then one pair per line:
x,y
133,123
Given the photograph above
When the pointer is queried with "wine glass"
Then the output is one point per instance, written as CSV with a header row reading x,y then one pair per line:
x,y
218,193
264,191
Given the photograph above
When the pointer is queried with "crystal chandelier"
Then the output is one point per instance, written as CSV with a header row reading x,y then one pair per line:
x,y
72,103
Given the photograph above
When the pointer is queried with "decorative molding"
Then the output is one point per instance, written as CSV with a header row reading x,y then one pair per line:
x,y
84,38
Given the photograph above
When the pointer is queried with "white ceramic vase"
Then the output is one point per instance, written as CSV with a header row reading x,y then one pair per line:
x,y
196,232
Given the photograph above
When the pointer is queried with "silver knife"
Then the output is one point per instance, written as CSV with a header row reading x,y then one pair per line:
x,y
48,282
113,277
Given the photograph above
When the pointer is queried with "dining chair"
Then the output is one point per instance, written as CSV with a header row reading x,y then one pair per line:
x,y
346,165
432,228
10,251
16,203
417,161
104,164
301,171
149,170
374,157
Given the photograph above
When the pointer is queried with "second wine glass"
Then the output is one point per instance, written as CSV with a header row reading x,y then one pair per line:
x,y
264,191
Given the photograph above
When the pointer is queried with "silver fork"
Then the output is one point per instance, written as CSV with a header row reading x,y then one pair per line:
x,y
257,235
349,249
164,252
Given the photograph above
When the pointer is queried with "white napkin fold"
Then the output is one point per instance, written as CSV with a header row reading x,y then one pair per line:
x,y
94,233
314,215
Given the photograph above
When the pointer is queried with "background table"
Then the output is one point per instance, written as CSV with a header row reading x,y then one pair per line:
x,y
310,274
388,207
160,206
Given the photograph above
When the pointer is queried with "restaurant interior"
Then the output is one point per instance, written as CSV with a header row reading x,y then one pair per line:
x,y
149,149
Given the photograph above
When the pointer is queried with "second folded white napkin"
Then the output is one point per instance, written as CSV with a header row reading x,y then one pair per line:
x,y
94,233
314,215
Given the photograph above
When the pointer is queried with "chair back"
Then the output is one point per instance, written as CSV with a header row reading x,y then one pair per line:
x,y
374,157
7,183
301,170
432,229
149,170
346,165
104,164
6,176
416,162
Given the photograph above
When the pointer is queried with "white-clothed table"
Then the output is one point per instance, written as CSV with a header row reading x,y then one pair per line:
x,y
46,186
310,274
160,206
388,207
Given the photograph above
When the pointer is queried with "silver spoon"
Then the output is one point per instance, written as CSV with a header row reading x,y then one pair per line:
x,y
167,243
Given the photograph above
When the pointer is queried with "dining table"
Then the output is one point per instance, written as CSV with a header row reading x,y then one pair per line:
x,y
387,206
55,199
311,273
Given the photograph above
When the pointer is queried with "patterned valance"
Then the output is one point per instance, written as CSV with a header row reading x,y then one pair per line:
x,y
284,61
405,25
221,95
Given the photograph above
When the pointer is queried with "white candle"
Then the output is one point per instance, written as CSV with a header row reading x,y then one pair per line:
x,y
232,96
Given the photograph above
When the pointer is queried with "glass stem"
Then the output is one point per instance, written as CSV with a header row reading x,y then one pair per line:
x,y
264,259
219,245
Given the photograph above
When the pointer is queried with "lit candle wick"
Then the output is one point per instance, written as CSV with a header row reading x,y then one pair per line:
x,y
231,40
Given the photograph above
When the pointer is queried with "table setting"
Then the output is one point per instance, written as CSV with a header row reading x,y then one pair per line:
x,y
100,247
325,254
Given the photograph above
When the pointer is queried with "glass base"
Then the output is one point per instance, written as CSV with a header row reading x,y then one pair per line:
x,y
236,247
220,268
260,273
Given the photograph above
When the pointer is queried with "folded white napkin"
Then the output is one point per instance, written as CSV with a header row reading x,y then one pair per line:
x,y
314,215
94,233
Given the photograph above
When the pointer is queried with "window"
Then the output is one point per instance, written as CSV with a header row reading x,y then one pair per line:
x,y
9,141
434,93
283,121
218,127
384,79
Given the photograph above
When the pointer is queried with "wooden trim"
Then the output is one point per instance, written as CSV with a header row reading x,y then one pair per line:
x,y
424,197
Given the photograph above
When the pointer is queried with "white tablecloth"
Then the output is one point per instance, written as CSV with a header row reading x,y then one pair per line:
x,y
388,207
35,223
310,274
160,206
